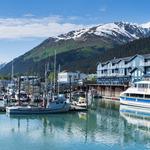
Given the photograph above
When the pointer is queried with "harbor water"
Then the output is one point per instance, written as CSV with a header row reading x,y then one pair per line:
x,y
102,127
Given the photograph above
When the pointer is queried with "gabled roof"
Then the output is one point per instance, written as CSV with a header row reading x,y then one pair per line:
x,y
131,58
126,59
136,68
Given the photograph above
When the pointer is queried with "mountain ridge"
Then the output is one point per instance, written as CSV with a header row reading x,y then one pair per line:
x,y
78,45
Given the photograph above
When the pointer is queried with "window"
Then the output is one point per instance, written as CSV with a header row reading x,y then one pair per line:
x,y
127,94
143,85
147,96
136,95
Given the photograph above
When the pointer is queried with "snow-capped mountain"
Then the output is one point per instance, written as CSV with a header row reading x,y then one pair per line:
x,y
146,25
76,48
119,32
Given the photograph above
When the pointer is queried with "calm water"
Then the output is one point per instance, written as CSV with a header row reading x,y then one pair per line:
x,y
102,127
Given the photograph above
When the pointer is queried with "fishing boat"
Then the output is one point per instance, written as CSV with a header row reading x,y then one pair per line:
x,y
58,105
137,95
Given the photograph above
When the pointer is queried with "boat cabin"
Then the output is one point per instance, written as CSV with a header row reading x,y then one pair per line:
x,y
139,90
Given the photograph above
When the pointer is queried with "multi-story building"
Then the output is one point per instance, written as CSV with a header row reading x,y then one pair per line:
x,y
64,77
123,70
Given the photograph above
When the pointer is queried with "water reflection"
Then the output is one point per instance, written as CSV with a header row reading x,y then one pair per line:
x,y
139,117
102,127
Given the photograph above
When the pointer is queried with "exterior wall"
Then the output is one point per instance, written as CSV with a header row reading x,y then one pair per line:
x,y
64,77
137,61
133,67
110,91
28,78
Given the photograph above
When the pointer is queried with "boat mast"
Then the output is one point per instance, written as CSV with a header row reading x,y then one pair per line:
x,y
46,82
19,88
12,71
55,71
57,78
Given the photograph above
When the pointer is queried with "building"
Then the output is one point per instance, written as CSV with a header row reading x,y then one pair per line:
x,y
64,77
123,70
29,79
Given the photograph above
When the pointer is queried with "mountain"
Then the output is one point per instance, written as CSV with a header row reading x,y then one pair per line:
x,y
146,25
140,46
76,48
2,65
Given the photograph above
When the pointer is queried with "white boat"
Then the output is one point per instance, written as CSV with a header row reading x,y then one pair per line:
x,y
23,96
137,95
81,102
60,104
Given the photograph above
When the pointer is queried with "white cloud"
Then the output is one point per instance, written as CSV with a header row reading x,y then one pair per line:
x,y
14,28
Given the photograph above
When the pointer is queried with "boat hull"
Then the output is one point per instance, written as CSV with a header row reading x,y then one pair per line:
x,y
31,111
139,102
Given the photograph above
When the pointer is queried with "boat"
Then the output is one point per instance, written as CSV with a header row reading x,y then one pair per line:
x,y
58,105
137,95
22,96
81,102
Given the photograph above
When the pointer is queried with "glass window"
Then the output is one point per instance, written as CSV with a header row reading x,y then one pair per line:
x,y
143,85
147,96
136,95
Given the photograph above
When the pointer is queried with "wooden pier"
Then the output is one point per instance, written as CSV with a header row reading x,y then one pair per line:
x,y
108,91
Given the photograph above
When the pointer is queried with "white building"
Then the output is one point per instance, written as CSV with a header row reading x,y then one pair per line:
x,y
64,77
28,78
123,70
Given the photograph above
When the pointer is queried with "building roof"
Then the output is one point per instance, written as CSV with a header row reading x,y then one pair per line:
x,y
136,68
126,59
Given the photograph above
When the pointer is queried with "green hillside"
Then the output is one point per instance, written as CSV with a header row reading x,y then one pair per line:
x,y
47,48
69,54
74,55
141,46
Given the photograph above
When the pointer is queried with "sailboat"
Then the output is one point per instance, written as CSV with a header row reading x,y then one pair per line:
x,y
58,103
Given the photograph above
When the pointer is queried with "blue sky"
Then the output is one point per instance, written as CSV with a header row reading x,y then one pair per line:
x,y
26,23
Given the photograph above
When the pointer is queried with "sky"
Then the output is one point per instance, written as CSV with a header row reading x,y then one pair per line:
x,y
26,23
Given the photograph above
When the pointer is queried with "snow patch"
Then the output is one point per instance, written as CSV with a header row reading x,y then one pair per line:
x,y
129,31
146,25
